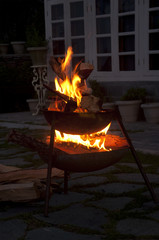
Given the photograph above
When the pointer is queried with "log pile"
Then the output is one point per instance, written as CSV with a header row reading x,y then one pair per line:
x,y
23,185
18,185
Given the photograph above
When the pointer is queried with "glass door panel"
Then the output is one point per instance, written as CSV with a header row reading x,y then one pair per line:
x,y
153,35
58,34
103,35
126,32
77,31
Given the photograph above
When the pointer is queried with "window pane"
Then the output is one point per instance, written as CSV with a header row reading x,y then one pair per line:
x,y
57,12
76,9
153,61
126,43
102,7
78,45
104,45
104,64
154,41
154,20
154,3
127,63
77,28
127,23
76,60
103,25
59,47
126,5
58,30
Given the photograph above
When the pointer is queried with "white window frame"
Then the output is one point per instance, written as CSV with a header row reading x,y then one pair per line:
x,y
141,72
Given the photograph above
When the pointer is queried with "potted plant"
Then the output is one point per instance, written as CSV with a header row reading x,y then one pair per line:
x,y
36,46
4,45
130,103
18,47
151,112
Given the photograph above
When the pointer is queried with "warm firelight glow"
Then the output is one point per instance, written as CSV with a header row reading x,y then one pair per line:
x,y
94,140
69,86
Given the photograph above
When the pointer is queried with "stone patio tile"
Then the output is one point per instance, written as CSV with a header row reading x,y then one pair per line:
x,y
78,215
57,234
12,229
138,227
13,161
17,210
137,177
65,199
102,171
86,180
155,215
133,165
115,188
112,203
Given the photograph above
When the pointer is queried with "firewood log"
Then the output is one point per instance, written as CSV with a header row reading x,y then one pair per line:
x,y
22,192
56,67
91,103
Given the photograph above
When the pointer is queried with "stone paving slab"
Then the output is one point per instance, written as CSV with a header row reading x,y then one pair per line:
x,y
138,227
86,180
78,215
12,229
115,188
112,203
57,234
65,199
135,177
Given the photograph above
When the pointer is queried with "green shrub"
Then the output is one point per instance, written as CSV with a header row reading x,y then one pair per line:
x,y
134,94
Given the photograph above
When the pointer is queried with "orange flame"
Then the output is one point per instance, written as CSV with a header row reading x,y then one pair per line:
x,y
95,140
70,87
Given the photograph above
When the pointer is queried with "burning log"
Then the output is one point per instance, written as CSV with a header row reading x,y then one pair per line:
x,y
91,103
56,67
84,70
70,106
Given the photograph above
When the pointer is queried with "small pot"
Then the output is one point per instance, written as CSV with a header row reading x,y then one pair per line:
x,y
18,47
151,112
129,110
4,48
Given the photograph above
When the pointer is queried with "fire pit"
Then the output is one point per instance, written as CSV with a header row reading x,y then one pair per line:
x,y
78,119
79,123
79,160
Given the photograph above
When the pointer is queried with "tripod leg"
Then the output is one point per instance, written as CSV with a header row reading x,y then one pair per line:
x,y
49,170
65,182
154,197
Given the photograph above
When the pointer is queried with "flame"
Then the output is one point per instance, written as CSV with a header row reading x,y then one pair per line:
x,y
94,140
70,86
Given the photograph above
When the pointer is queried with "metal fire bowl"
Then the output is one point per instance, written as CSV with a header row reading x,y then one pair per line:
x,y
79,123
87,162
